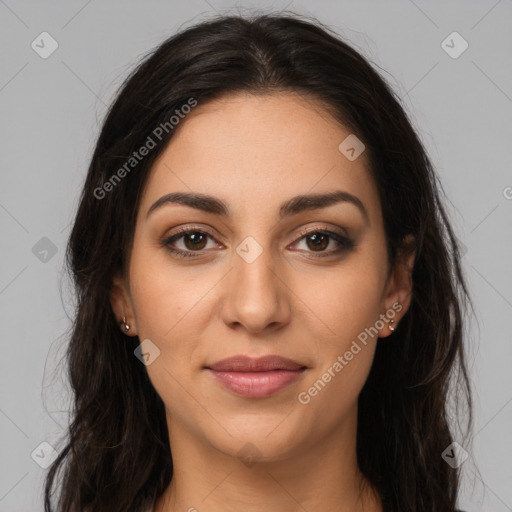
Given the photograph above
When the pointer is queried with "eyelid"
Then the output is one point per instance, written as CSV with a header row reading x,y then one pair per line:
x,y
191,228
314,229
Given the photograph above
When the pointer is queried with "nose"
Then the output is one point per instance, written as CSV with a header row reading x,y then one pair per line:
x,y
256,297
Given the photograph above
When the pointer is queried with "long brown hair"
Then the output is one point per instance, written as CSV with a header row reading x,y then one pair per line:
x,y
116,454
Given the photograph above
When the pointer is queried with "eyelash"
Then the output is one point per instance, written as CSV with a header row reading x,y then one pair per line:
x,y
346,243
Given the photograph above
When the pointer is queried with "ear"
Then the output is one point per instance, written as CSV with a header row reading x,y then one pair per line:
x,y
122,305
398,292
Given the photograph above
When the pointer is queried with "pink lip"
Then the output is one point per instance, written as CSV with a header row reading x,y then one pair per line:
x,y
256,378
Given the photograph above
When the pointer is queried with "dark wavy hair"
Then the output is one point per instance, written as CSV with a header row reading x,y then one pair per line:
x,y
116,453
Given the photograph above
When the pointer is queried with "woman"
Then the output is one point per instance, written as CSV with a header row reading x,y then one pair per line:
x,y
270,299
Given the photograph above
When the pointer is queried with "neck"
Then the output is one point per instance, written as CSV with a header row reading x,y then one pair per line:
x,y
322,477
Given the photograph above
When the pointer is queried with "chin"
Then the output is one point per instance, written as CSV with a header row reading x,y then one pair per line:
x,y
265,441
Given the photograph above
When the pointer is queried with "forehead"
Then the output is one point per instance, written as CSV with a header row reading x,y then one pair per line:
x,y
254,151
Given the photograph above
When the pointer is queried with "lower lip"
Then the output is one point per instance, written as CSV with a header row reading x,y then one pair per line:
x,y
257,384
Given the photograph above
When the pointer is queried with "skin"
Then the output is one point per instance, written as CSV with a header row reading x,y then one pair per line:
x,y
255,152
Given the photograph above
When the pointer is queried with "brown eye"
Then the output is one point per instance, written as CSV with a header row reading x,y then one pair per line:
x,y
195,240
192,241
319,241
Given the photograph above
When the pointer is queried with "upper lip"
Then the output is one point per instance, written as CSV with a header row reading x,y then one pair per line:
x,y
261,364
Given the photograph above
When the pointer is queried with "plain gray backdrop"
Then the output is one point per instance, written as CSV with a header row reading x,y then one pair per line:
x,y
51,106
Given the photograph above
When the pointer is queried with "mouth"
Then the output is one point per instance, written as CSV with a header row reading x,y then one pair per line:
x,y
256,378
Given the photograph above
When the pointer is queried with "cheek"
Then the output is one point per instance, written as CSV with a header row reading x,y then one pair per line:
x,y
348,305
164,305
162,295
173,309
345,301
350,309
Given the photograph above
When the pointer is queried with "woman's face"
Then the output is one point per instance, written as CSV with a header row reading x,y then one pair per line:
x,y
254,283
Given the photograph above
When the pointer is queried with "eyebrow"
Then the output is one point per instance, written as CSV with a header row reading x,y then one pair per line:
x,y
292,206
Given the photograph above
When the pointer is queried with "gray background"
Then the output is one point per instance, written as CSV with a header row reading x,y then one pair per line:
x,y
51,110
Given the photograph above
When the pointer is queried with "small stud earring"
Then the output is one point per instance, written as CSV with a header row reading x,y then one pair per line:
x,y
391,327
124,325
